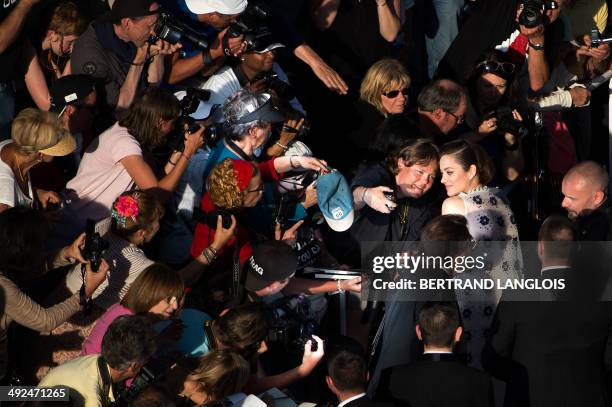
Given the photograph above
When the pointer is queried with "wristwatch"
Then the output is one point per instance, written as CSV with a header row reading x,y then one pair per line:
x,y
537,47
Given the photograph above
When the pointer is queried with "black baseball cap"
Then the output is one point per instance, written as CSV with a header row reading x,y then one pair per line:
x,y
70,89
130,9
271,261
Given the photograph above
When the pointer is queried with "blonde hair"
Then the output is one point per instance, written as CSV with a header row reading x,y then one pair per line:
x,y
34,130
221,373
385,75
223,186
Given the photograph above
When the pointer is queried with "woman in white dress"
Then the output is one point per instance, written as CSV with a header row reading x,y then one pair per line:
x,y
466,169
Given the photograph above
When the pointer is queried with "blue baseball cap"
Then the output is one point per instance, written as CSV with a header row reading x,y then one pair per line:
x,y
335,201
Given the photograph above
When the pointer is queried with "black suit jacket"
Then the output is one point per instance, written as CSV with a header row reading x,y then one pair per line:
x,y
436,380
552,353
365,401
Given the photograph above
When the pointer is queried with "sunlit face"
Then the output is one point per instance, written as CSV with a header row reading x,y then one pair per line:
x,y
140,29
454,177
254,192
394,99
578,197
260,135
259,62
490,88
61,45
166,307
416,180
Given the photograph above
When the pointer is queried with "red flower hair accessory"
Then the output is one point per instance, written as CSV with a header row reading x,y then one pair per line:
x,y
125,206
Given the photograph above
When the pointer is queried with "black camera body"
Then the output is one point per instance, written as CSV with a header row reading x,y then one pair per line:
x,y
95,246
210,218
172,30
289,325
283,89
249,23
532,14
390,195
506,123
188,105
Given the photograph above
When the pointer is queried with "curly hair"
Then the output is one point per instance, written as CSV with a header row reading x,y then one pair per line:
x,y
223,187
150,209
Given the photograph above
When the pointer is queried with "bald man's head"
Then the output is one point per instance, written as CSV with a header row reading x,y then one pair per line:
x,y
444,103
584,188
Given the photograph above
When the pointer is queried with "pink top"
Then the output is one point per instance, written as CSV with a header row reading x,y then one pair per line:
x,y
93,344
101,177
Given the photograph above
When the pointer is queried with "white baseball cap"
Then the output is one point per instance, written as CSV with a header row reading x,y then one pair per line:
x,y
219,6
203,110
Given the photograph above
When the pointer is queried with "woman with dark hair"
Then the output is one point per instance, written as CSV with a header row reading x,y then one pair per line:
x,y
490,86
120,159
23,232
466,169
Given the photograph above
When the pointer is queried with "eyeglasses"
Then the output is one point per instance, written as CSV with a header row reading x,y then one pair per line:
x,y
459,119
392,94
258,189
501,68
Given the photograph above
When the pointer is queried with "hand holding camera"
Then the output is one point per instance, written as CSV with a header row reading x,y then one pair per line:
x,y
193,141
313,353
223,234
93,279
161,47
73,252
381,199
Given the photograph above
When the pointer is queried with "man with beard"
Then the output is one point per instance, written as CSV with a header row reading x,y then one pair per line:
x,y
585,198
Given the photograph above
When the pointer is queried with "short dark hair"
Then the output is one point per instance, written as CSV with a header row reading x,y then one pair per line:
x,y
348,371
141,121
438,322
441,94
446,235
467,154
393,134
557,234
419,151
129,339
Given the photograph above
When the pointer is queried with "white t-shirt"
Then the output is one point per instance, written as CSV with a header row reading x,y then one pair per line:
x,y
224,83
101,177
126,262
10,193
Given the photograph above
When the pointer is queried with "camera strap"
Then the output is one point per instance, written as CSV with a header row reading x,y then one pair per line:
x,y
242,78
83,300
238,150
106,379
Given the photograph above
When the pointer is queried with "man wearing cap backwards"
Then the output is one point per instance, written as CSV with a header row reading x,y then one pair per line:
x,y
115,51
271,269
220,14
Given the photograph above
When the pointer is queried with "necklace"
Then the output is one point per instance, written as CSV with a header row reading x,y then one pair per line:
x,y
403,214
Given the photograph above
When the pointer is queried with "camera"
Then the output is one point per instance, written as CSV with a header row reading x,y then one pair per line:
x,y
273,82
172,31
597,40
506,123
188,105
210,218
532,14
250,23
95,246
290,325
390,195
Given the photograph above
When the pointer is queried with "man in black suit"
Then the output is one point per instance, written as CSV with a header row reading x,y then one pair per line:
x,y
438,378
553,353
347,378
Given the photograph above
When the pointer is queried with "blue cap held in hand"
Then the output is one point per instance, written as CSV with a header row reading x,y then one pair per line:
x,y
335,201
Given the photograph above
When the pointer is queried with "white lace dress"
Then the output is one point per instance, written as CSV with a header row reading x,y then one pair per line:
x,y
489,219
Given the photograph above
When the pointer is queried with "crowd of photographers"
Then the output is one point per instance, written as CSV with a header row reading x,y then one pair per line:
x,y
185,186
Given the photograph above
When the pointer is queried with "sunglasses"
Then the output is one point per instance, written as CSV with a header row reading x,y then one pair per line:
x,y
392,94
502,68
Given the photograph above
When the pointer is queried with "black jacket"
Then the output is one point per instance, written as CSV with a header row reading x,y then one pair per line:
x,y
436,380
552,353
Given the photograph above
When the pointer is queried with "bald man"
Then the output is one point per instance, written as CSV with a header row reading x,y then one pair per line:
x,y
585,199
441,108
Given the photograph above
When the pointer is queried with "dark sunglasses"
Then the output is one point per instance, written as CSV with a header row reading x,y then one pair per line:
x,y
392,94
500,68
